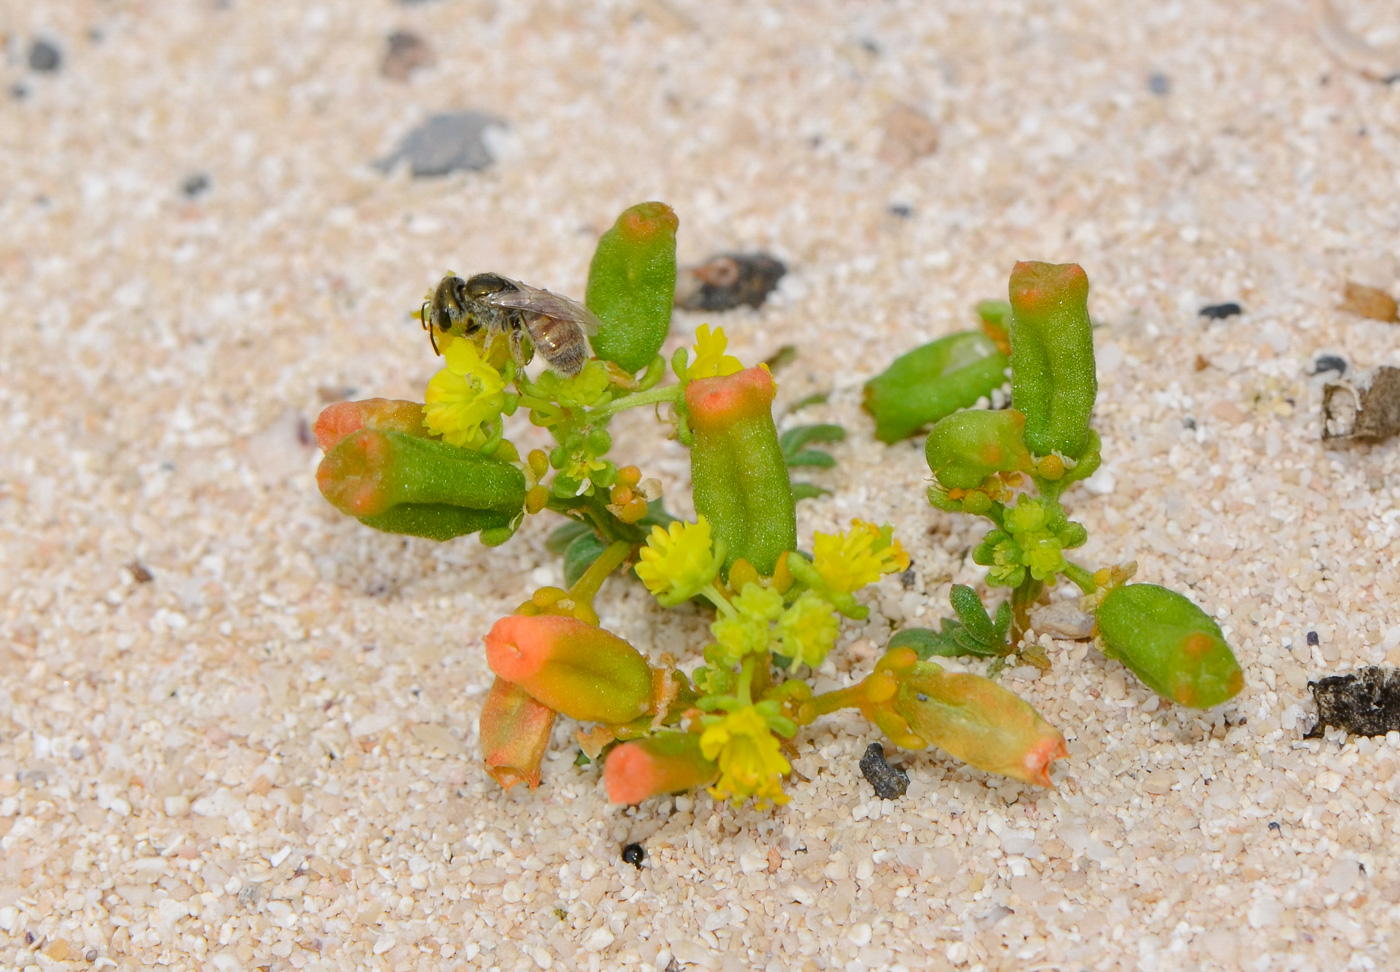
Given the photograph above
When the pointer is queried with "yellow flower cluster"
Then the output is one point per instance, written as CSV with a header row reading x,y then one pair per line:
x,y
750,759
678,561
849,561
463,397
710,359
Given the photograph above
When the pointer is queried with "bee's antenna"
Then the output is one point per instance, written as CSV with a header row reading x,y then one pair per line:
x,y
432,338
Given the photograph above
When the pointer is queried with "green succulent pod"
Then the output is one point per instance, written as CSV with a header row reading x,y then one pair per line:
x,y
1052,356
933,381
967,447
632,285
738,470
403,483
1170,643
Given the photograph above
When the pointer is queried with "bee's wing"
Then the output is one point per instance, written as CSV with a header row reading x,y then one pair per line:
x,y
546,304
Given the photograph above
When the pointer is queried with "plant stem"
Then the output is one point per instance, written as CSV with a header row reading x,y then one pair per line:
x,y
1021,600
1082,577
670,393
586,587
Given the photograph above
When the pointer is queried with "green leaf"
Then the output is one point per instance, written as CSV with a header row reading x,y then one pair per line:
x,y
811,457
798,436
973,615
564,534
801,491
782,357
928,643
580,556
816,398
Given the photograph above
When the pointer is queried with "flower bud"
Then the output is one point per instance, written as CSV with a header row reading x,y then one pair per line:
x,y
514,731
632,285
1169,643
979,722
665,763
575,668
933,381
737,467
967,447
405,484
1052,356
386,414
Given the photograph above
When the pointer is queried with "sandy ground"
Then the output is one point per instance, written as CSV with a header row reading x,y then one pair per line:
x,y
238,731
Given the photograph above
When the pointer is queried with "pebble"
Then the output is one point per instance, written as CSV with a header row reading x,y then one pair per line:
x,y
890,782
45,56
728,280
1217,312
405,52
1158,83
1365,702
445,143
1329,362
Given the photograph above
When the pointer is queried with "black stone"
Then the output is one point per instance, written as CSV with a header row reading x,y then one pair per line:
x,y
889,782
44,56
445,143
729,280
194,185
1363,703
1159,84
1218,312
634,854
902,210
1329,362
1312,639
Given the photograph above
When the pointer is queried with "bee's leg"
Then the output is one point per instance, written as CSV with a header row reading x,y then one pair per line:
x,y
517,347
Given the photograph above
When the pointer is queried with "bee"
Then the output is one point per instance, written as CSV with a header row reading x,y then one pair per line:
x,y
555,326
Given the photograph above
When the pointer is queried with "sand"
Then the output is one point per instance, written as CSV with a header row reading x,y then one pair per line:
x,y
238,730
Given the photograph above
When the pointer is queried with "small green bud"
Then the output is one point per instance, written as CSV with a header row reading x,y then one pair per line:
x,y
632,285
740,476
967,447
575,668
1169,643
1052,356
407,484
933,381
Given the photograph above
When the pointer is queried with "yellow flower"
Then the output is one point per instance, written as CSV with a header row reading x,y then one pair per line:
x,y
750,759
463,396
748,631
848,561
809,628
678,561
710,359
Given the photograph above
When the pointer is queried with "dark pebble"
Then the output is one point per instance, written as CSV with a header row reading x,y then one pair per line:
x,y
1363,703
1275,826
1218,312
634,854
908,578
1159,84
728,280
1189,422
404,54
1330,362
1312,639
44,56
195,185
140,573
902,210
445,143
19,91
889,782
